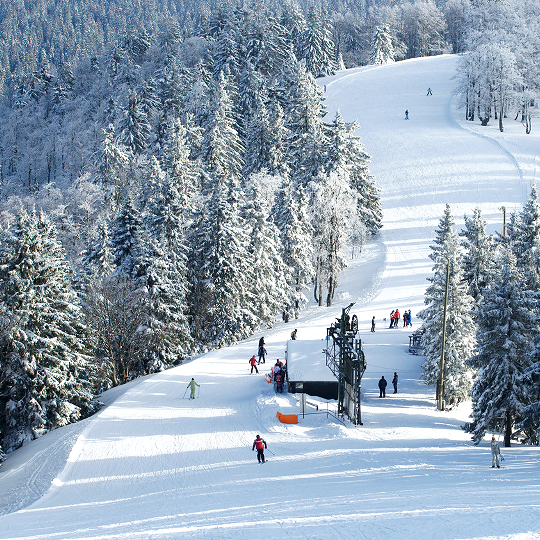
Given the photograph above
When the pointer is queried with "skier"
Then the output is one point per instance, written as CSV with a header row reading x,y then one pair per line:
x,y
293,333
260,444
397,316
192,384
373,324
253,362
429,92
394,382
392,319
495,452
407,114
382,387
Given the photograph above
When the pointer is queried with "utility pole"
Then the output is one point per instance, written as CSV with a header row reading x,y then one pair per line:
x,y
440,400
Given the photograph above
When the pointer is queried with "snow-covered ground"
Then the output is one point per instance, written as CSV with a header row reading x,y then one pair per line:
x,y
156,465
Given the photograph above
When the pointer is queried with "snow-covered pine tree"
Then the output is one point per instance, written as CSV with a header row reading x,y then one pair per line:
x,y
220,275
382,49
346,152
97,257
479,262
135,128
270,288
289,213
110,162
460,328
166,275
47,375
182,171
306,138
524,236
507,327
126,241
222,149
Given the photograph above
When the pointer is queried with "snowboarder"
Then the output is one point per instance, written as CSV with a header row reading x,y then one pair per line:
x,y
495,452
260,444
407,114
293,333
253,362
429,92
373,324
192,384
394,382
382,387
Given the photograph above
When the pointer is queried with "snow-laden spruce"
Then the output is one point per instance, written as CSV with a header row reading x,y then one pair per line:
x,y
460,326
46,370
507,326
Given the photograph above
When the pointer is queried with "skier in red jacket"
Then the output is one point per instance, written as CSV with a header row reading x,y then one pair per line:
x,y
260,444
253,362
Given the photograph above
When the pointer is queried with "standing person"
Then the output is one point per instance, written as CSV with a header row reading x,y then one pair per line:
x,y
192,384
429,92
260,444
293,333
253,362
394,382
405,318
397,316
495,452
262,351
407,114
409,319
373,324
392,319
382,387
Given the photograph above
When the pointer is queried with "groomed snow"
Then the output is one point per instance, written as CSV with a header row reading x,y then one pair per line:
x,y
155,465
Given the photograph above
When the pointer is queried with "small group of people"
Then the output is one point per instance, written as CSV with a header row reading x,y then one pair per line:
x,y
395,317
279,372
383,383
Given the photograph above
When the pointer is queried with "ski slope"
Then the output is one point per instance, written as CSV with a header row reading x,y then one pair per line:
x,y
156,465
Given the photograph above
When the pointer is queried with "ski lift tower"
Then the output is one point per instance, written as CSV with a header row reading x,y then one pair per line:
x,y
345,358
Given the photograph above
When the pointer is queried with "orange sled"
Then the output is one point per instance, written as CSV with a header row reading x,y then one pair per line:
x,y
287,418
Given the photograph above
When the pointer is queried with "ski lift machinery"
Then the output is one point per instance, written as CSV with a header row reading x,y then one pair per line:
x,y
346,360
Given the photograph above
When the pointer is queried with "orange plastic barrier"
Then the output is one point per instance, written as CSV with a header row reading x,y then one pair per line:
x,y
287,418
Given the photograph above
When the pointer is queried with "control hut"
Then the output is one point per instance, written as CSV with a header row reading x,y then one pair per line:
x,y
307,371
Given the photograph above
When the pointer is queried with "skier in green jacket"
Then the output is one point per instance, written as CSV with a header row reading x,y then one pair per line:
x,y
192,384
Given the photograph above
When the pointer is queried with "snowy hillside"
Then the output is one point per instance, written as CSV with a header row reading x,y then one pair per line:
x,y
156,465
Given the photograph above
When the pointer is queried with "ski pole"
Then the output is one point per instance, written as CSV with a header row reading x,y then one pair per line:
x,y
184,393
270,451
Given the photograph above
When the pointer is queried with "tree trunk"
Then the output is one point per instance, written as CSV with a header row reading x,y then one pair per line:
x,y
508,430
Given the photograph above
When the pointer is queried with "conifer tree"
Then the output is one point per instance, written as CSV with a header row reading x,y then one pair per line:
x,y
460,327
382,49
290,216
270,288
478,262
220,270
506,329
45,380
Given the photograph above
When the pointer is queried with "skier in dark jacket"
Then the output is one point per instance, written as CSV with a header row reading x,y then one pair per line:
x,y
382,387
260,444
373,324
394,382
262,351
